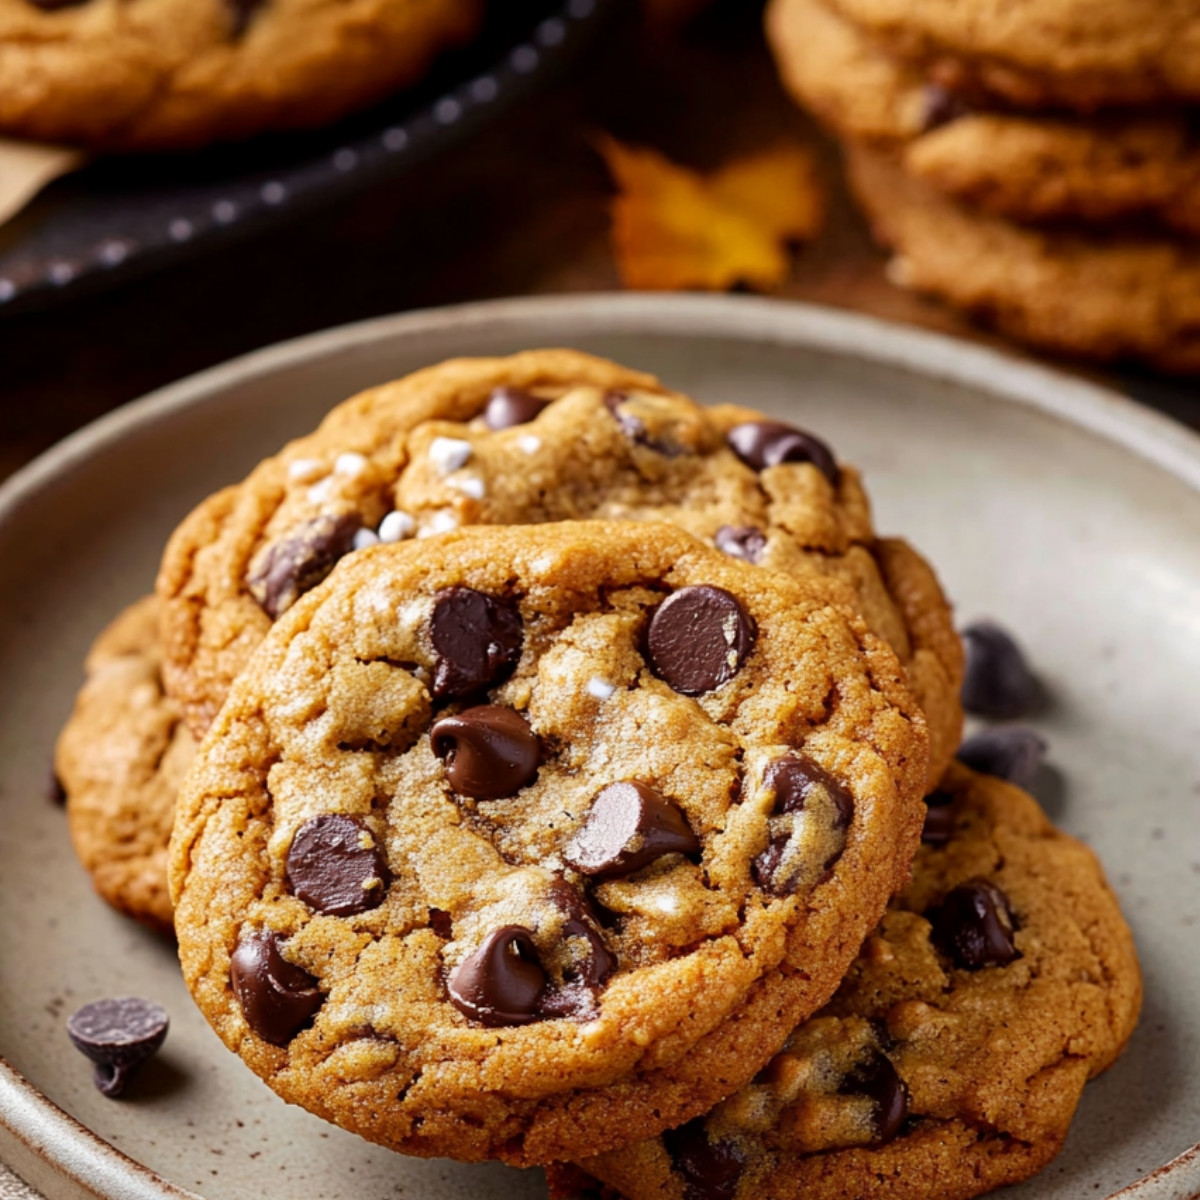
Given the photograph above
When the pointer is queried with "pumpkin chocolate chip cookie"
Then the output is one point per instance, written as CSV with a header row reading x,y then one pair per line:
x,y
524,841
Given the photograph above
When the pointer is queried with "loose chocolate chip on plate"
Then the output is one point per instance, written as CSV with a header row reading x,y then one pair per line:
x,y
628,826
710,1170
477,638
509,406
998,681
878,1080
502,981
761,444
335,865
939,819
490,751
698,639
744,542
293,566
1015,754
277,998
974,925
118,1034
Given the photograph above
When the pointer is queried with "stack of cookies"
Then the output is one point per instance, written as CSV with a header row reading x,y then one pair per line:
x,y
1033,164
537,765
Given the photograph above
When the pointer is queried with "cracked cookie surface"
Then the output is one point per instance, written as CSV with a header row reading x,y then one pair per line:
x,y
527,840
541,436
953,1056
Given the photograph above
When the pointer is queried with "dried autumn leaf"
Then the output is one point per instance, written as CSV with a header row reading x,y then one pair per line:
x,y
676,229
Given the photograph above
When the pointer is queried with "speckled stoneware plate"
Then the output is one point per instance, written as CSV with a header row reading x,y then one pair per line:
x,y
1067,512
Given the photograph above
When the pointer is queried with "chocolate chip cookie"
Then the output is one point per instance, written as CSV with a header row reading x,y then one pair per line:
x,y
121,758
542,436
523,841
1031,167
172,73
952,1058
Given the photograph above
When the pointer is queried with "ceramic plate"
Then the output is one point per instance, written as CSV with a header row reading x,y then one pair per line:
x,y
1068,513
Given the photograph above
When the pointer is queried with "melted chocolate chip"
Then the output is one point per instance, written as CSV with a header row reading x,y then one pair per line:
x,y
941,106
55,5
974,925
118,1035
291,567
277,998
794,780
242,12
710,1170
628,826
335,865
509,406
634,428
477,638
878,1080
502,981
490,751
939,819
591,961
761,444
698,639
441,923
744,542
1012,754
998,681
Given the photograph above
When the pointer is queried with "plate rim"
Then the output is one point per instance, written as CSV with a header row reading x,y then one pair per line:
x,y
95,1167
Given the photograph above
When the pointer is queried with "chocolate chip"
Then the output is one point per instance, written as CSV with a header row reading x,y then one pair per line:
x,y
55,5
55,792
974,925
118,1035
335,865
877,1079
277,998
998,681
441,922
628,826
762,444
939,819
742,541
698,639
635,429
490,751
1015,754
477,638
799,784
710,1170
291,567
501,982
242,12
575,990
509,406
941,107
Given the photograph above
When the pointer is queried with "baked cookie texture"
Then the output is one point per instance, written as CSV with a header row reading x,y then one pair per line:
x,y
1101,297
525,839
121,758
542,436
1076,54
944,1066
1029,167
158,74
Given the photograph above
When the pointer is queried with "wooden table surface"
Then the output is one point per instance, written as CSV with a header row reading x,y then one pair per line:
x,y
521,209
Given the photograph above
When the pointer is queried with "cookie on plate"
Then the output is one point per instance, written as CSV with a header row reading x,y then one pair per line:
x,y
121,758
173,73
542,436
528,840
952,1058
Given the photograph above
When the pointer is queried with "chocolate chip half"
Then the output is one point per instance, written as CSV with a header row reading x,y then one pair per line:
x,y
490,751
941,106
801,784
878,1080
335,865
575,991
509,406
1015,754
501,982
974,925
628,826
742,541
477,639
291,567
242,12
698,639
939,819
710,1170
998,681
277,998
761,444
118,1034
622,406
